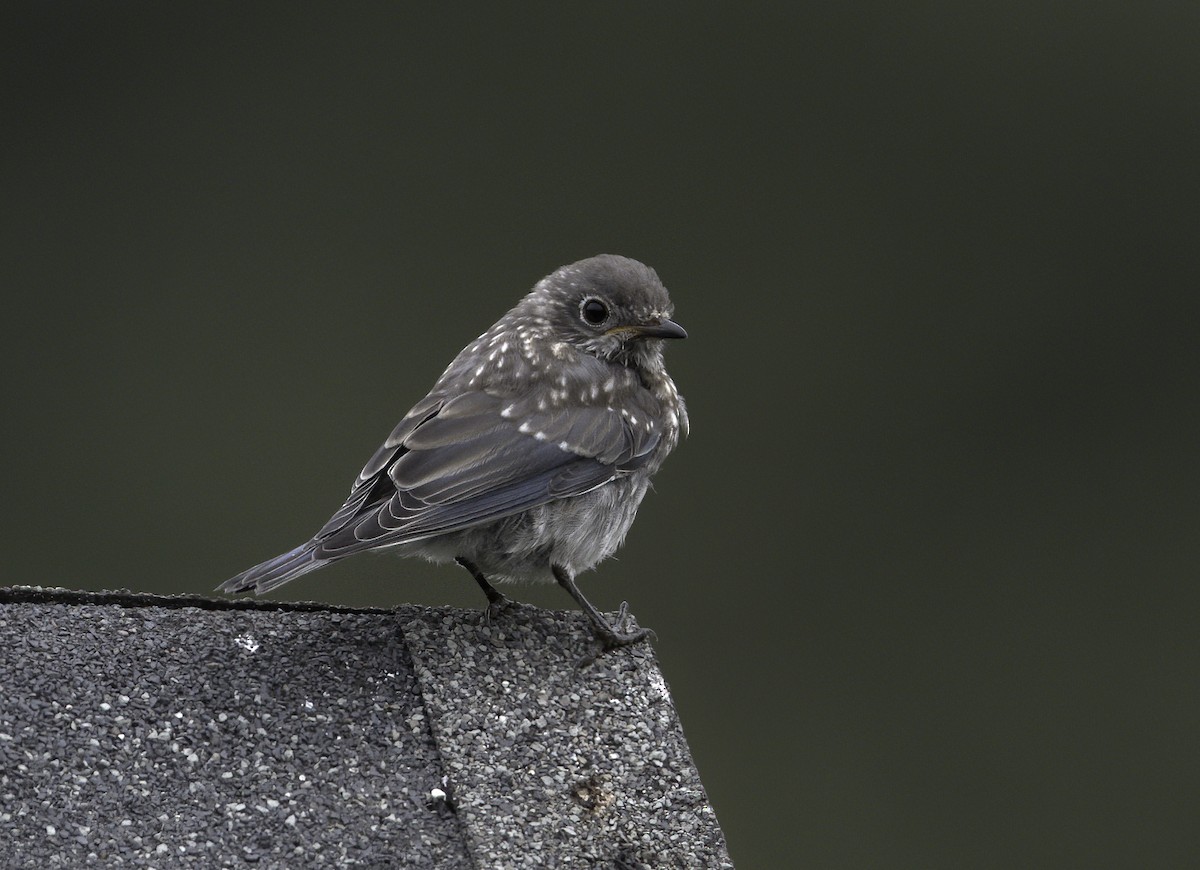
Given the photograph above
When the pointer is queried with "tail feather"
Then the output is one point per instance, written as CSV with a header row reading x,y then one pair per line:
x,y
275,572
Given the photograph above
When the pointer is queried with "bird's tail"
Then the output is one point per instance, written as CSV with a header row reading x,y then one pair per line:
x,y
275,572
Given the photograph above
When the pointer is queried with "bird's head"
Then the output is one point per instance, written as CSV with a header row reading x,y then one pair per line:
x,y
610,307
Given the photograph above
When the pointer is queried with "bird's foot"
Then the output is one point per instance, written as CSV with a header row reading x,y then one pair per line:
x,y
498,602
615,634
497,606
611,635
619,633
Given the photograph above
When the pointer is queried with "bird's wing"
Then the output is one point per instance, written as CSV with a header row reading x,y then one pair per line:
x,y
455,463
370,485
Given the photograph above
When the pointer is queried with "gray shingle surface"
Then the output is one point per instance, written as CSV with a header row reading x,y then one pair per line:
x,y
159,732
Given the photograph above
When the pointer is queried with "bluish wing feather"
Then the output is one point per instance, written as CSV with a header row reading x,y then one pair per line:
x,y
467,463
399,521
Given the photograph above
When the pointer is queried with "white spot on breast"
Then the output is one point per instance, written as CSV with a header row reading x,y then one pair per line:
x,y
540,436
478,372
508,411
524,428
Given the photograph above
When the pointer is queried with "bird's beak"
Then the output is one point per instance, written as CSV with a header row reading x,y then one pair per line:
x,y
665,329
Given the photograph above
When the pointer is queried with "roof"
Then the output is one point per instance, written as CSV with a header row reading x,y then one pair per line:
x,y
172,731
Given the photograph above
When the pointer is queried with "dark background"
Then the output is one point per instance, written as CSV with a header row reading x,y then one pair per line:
x,y
924,577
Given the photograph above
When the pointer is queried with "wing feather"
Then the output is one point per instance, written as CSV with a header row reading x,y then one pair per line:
x,y
453,463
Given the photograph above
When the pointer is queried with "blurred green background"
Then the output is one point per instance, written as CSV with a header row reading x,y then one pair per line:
x,y
924,577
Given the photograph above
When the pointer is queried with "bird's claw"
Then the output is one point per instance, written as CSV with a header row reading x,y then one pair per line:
x,y
616,634
622,635
495,608
613,638
622,621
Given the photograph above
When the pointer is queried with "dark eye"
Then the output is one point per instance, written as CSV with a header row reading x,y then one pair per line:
x,y
594,311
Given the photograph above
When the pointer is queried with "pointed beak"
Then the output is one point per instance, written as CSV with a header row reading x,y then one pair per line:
x,y
665,329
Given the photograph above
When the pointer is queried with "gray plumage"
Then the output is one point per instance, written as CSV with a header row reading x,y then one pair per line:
x,y
529,457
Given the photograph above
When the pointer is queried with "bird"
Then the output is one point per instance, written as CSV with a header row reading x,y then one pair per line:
x,y
529,457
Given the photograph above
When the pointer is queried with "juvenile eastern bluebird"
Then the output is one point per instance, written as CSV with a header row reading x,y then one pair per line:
x,y
529,457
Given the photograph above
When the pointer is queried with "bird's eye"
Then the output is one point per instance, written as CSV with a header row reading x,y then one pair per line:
x,y
594,311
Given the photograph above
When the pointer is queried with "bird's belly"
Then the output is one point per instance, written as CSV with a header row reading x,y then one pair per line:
x,y
575,533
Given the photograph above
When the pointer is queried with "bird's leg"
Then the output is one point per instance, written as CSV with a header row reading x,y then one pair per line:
x,y
609,635
498,602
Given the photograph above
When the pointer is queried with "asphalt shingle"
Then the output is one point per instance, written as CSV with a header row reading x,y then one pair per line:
x,y
157,732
